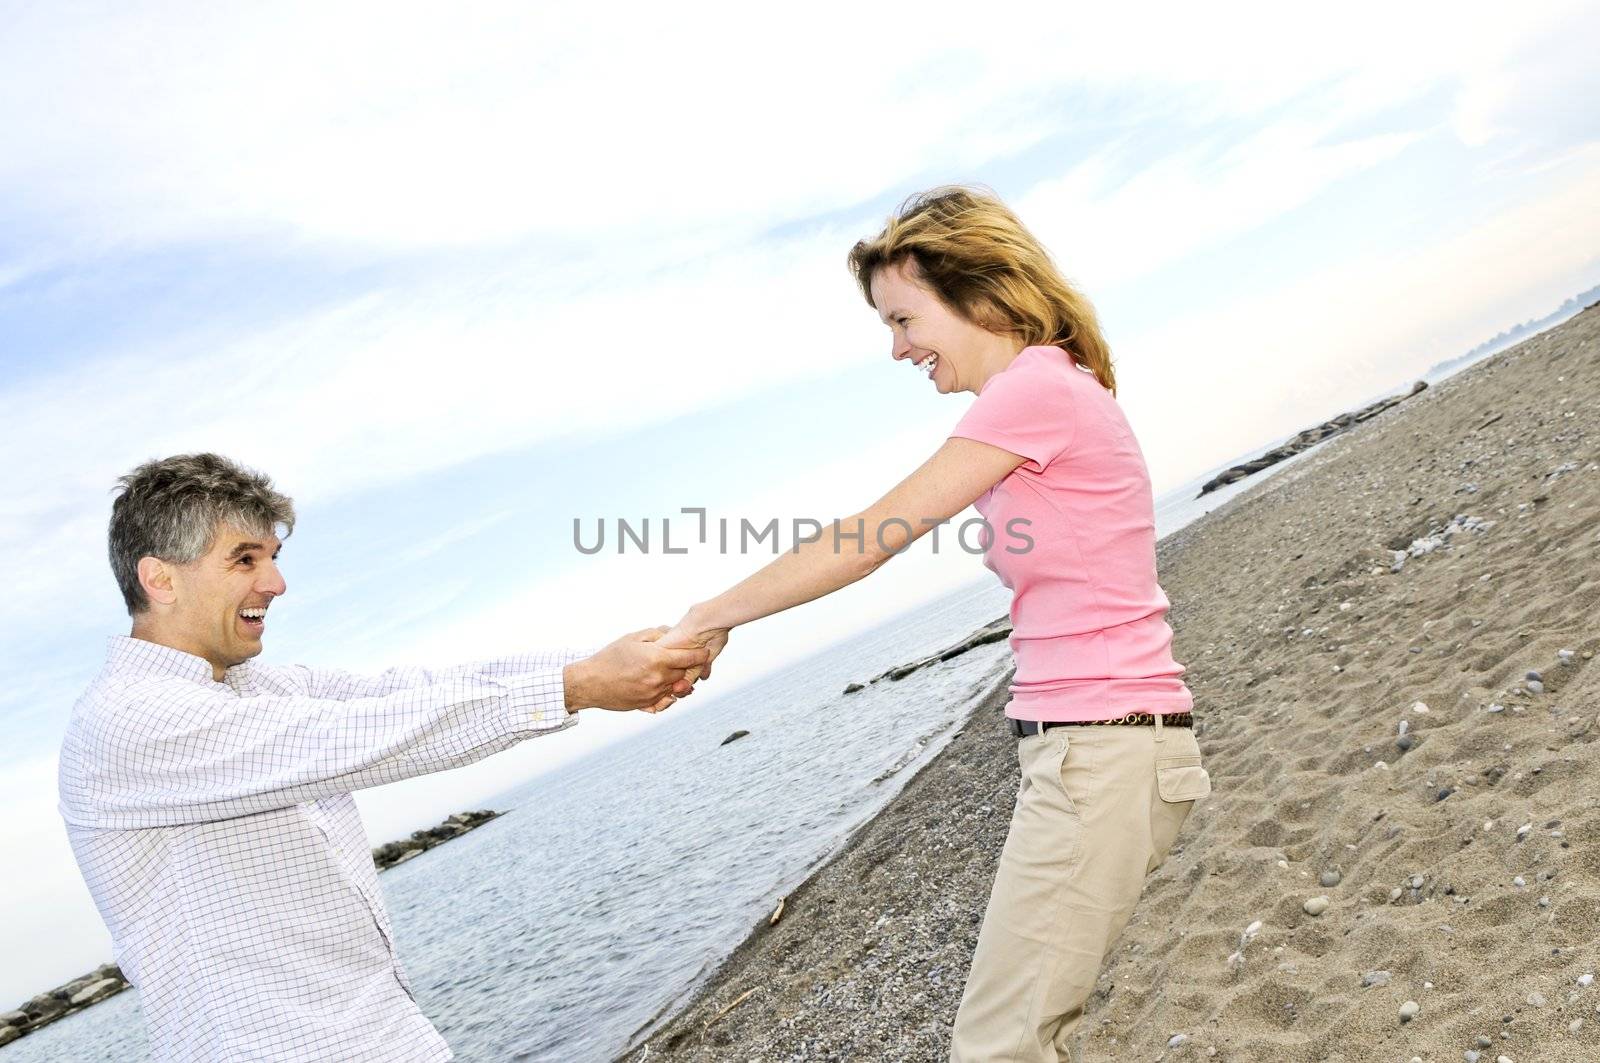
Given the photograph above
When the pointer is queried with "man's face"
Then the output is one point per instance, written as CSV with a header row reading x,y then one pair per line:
x,y
220,607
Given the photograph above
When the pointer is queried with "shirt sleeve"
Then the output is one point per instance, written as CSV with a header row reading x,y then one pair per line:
x,y
1026,409
342,686
174,751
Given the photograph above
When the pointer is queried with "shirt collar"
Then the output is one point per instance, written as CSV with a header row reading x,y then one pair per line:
x,y
1020,355
128,654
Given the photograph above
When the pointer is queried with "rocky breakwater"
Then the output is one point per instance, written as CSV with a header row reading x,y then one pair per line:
x,y
104,981
993,631
107,980
1307,439
394,853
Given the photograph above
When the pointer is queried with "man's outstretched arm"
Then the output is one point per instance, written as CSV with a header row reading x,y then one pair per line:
x,y
588,676
164,752
341,685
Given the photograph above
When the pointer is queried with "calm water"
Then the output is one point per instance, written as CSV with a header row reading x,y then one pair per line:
x,y
616,883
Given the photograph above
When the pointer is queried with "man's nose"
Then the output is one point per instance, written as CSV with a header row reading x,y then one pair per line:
x,y
271,581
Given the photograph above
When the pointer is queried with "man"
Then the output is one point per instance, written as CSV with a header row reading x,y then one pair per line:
x,y
207,796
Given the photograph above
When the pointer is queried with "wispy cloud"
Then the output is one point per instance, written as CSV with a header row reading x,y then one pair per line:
x,y
448,129
1121,219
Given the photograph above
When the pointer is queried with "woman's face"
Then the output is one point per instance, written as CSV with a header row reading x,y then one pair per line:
x,y
955,354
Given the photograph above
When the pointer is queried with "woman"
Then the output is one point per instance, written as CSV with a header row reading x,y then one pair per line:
x,y
974,301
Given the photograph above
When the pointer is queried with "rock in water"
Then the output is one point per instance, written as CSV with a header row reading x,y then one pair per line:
x,y
734,737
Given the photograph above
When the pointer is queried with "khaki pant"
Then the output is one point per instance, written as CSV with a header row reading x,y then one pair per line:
x,y
1098,809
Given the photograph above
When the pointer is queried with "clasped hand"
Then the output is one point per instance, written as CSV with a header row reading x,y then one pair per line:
x,y
646,670
693,632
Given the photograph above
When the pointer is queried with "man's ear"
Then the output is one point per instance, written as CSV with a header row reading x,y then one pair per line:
x,y
155,576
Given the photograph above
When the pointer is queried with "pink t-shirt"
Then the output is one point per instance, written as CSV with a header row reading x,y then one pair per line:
x,y
1072,533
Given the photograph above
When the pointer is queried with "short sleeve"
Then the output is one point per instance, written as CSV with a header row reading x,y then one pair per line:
x,y
1026,409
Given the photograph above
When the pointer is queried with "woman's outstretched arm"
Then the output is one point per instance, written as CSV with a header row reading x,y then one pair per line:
x,y
956,475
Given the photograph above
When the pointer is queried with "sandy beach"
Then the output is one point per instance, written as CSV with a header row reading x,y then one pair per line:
x,y
1359,632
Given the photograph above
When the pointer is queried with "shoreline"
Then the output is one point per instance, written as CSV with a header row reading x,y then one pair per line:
x,y
968,743
1359,632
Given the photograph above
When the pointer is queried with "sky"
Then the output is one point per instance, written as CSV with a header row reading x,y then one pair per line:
x,y
459,280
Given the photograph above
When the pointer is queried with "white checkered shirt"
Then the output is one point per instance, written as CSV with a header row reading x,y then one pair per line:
x,y
214,826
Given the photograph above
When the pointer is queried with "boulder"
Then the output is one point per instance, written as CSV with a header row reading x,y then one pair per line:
x,y
98,991
44,1007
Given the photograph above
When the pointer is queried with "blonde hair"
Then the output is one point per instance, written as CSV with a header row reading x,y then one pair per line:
x,y
972,252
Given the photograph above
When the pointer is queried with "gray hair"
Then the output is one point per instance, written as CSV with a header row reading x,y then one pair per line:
x,y
170,509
